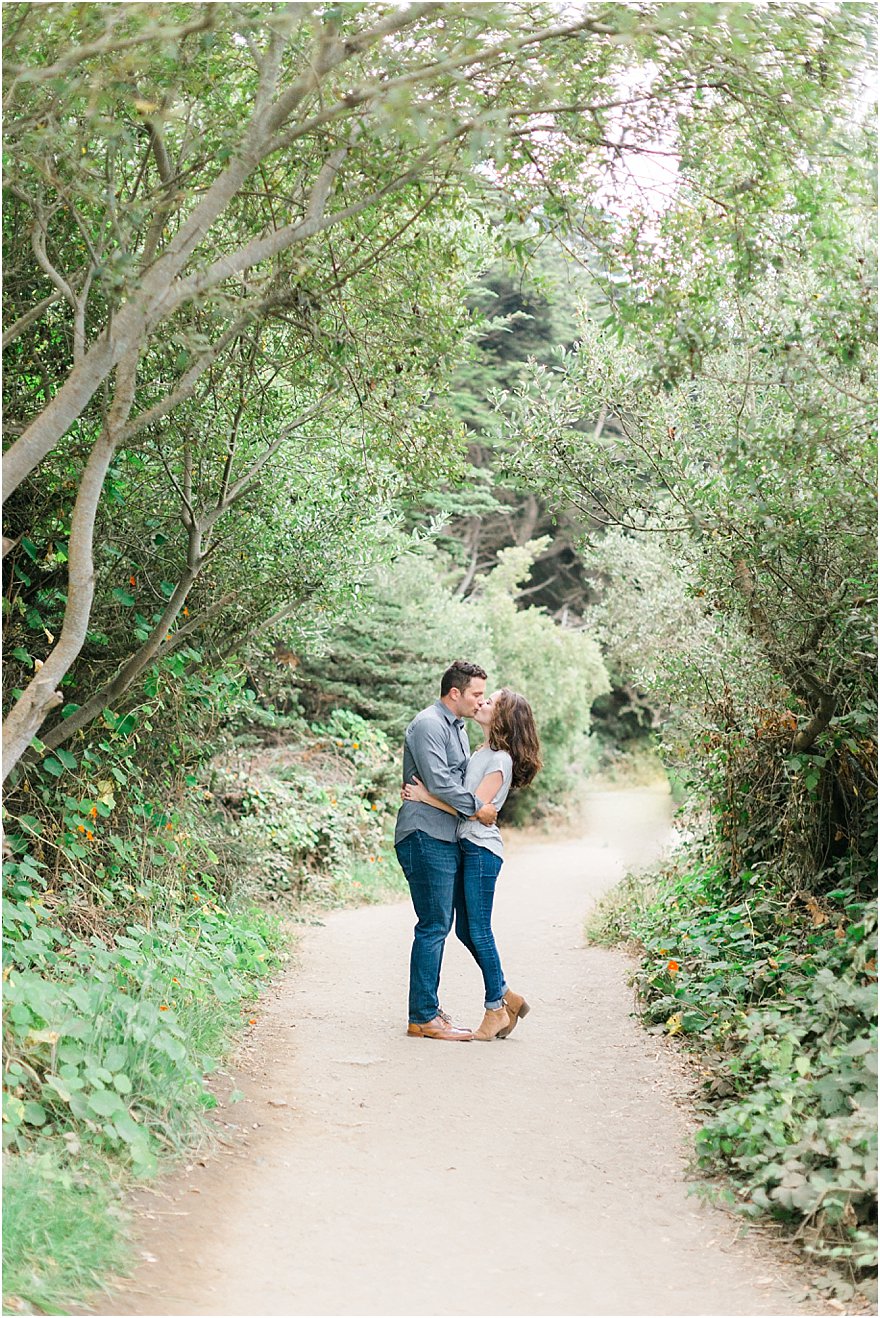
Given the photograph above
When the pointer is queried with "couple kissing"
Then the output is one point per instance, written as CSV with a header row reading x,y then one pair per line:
x,y
449,845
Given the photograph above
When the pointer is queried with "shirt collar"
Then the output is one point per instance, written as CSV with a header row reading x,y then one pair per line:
x,y
448,715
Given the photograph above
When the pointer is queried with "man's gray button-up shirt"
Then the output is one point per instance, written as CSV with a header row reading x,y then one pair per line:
x,y
436,750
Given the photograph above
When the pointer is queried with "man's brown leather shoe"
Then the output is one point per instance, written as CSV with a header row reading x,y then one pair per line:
x,y
450,1023
438,1028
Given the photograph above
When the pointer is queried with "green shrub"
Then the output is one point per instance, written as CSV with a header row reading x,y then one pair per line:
x,y
386,663
302,815
559,670
108,1041
779,996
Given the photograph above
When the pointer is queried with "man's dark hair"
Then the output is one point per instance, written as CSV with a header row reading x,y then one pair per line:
x,y
459,675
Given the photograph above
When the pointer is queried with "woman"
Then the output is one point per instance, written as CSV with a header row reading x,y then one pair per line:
x,y
510,756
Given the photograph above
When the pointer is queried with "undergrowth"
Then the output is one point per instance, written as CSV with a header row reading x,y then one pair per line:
x,y
136,938
63,1227
777,994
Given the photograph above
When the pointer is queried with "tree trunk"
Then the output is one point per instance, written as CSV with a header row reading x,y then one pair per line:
x,y
26,717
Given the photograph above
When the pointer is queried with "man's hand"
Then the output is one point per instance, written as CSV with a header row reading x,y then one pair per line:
x,y
487,814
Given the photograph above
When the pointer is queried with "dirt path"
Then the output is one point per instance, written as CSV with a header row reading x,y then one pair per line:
x,y
540,1175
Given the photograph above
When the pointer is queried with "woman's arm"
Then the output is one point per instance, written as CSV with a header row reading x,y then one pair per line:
x,y
490,785
416,791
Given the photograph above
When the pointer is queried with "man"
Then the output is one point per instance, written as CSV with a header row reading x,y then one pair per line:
x,y
436,750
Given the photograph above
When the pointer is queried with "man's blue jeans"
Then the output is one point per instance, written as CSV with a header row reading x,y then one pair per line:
x,y
473,916
433,872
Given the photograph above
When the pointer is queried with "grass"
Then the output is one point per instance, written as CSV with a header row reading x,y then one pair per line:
x,y
611,921
63,1228
372,882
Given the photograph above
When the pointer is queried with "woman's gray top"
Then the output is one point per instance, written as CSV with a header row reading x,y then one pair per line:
x,y
484,761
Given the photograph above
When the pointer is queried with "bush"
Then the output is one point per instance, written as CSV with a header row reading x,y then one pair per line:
x,y
779,997
125,975
559,670
107,1041
299,817
386,664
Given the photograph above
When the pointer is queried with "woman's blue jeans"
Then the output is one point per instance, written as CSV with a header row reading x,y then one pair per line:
x,y
473,916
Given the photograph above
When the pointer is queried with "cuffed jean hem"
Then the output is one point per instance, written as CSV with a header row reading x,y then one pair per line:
x,y
493,1006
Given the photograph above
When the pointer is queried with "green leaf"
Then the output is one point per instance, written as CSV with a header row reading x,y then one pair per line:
x,y
34,1113
55,1083
104,1102
52,766
69,761
223,989
171,1046
129,1130
13,1109
116,1055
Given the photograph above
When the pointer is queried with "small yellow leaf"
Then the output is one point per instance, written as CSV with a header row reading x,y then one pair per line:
x,y
43,1036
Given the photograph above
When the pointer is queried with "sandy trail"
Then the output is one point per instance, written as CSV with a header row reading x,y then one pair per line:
x,y
540,1175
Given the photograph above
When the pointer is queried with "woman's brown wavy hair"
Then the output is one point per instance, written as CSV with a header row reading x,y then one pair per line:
x,y
513,730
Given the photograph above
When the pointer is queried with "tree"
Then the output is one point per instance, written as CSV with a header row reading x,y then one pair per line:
x,y
146,211
746,452
268,496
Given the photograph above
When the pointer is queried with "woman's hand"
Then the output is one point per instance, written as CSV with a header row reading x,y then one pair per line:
x,y
416,791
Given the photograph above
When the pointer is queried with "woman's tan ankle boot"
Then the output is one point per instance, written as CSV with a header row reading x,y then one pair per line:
x,y
493,1023
516,1007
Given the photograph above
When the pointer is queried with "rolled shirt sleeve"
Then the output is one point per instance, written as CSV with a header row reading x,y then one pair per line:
x,y
426,743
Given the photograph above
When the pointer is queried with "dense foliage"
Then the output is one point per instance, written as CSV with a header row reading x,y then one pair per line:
x,y
256,501
386,664
738,570
777,998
